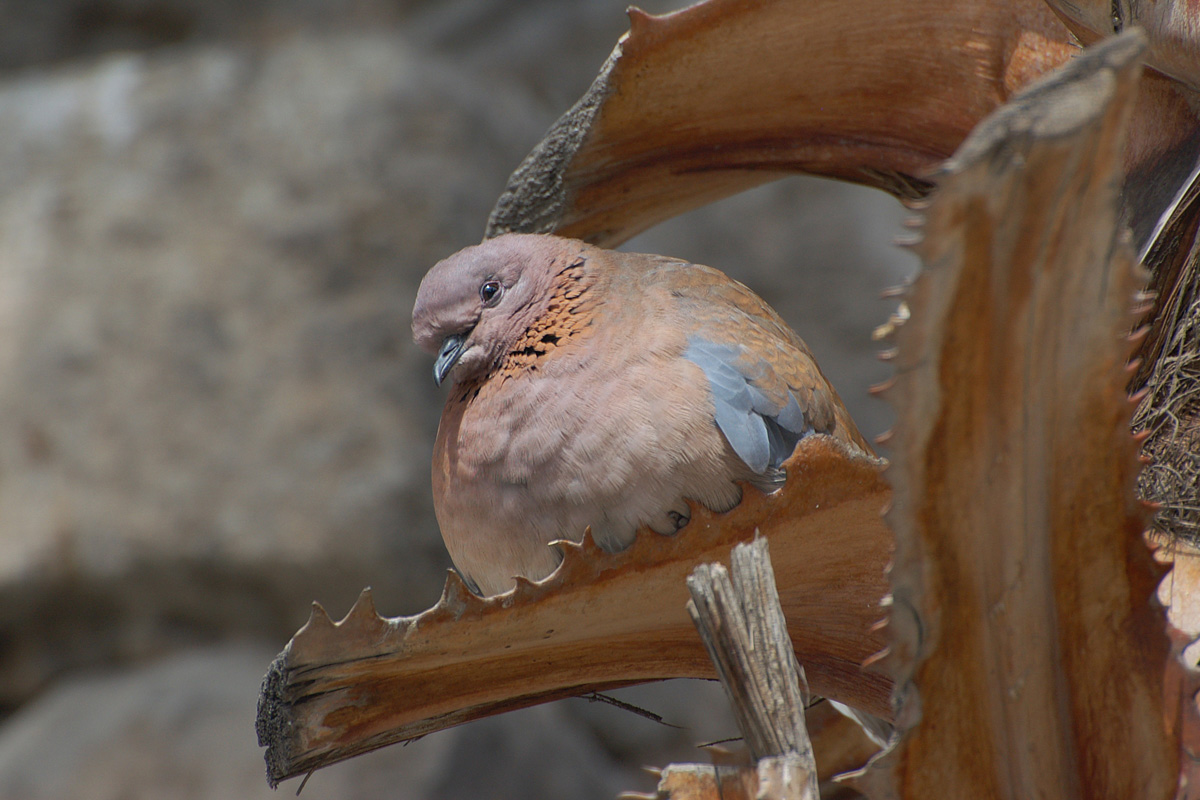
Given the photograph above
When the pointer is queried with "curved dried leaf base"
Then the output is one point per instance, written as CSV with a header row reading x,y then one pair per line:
x,y
726,95
1030,658
600,621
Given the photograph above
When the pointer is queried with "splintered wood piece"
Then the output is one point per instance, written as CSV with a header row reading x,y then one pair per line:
x,y
1028,657
743,627
744,630
601,620
687,782
839,746
775,778
725,95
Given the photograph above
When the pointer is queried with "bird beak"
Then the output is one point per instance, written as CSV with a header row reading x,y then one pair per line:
x,y
452,349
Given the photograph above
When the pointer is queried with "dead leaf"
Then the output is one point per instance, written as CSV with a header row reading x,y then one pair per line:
x,y
1028,657
725,95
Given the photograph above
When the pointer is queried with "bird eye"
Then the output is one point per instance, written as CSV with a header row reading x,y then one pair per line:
x,y
490,292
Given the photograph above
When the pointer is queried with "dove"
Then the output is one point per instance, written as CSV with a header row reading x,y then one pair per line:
x,y
599,389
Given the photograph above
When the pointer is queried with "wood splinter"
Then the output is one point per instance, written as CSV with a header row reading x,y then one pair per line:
x,y
741,622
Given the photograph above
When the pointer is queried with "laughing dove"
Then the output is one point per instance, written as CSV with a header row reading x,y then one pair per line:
x,y
602,389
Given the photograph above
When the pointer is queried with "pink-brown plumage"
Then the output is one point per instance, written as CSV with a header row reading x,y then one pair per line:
x,y
585,395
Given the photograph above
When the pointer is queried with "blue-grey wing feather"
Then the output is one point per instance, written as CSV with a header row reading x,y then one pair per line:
x,y
763,432
746,432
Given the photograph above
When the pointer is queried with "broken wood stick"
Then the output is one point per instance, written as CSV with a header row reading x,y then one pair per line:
x,y
742,625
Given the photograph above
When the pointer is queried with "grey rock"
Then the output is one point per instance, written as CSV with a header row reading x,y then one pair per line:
x,y
209,399
554,48
54,31
178,728
693,713
537,752
173,729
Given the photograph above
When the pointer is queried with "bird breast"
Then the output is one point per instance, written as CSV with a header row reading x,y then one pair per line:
x,y
603,435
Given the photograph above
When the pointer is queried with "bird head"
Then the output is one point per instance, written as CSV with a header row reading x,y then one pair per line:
x,y
473,306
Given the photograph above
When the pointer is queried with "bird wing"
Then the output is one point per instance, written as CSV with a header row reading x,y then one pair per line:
x,y
767,389
762,429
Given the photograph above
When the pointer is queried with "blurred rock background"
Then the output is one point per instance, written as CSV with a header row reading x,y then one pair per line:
x,y
213,219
